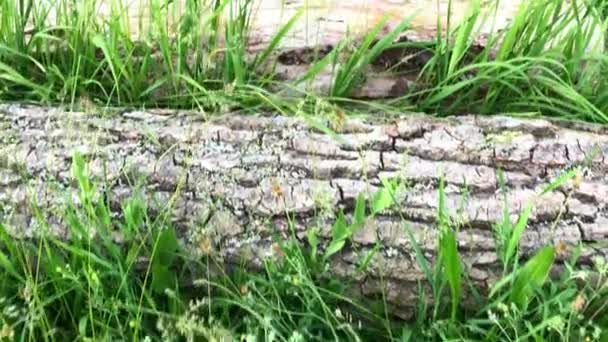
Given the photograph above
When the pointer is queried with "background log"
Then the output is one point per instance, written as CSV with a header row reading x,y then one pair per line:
x,y
234,178
322,25
325,22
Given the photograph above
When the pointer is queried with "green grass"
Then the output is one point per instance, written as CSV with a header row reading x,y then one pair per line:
x,y
76,55
141,288
549,60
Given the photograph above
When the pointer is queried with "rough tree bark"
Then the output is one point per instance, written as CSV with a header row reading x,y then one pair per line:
x,y
235,177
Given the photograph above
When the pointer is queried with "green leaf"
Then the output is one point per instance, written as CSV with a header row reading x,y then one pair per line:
x,y
443,220
532,275
340,232
368,257
351,73
509,41
463,37
134,213
504,281
334,247
447,90
74,223
388,39
9,246
406,334
448,250
360,210
317,67
100,42
166,248
313,241
420,258
382,200
451,263
522,222
389,184
162,278
81,253
560,180
82,325
340,229
6,263
10,75
79,172
102,213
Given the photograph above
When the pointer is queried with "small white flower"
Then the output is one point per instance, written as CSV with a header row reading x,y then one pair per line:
x,y
492,316
338,313
582,275
296,336
11,311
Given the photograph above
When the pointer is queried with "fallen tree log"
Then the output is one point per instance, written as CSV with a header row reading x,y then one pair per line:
x,y
233,179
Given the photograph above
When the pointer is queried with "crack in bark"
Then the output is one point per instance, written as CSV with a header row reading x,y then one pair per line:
x,y
581,231
531,154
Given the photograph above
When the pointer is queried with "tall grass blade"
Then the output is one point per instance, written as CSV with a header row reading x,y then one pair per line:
x,y
465,32
350,75
8,74
319,66
276,39
560,180
522,222
448,252
532,275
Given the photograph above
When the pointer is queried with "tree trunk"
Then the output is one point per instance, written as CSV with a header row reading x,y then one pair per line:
x,y
233,180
